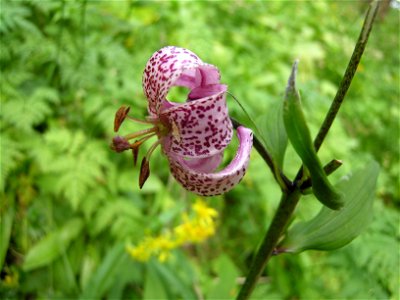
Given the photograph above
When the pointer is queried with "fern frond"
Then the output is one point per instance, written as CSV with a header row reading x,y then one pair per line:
x,y
9,157
77,161
14,17
9,12
24,112
121,217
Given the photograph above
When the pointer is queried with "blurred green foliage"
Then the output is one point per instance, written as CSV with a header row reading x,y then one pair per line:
x,y
69,205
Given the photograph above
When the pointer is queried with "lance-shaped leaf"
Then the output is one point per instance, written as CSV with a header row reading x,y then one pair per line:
x,y
6,223
330,229
300,138
53,245
273,132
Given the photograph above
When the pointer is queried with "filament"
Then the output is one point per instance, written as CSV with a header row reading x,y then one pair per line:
x,y
152,148
142,140
152,130
139,120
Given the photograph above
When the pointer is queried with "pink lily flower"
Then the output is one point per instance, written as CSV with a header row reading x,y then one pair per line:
x,y
193,135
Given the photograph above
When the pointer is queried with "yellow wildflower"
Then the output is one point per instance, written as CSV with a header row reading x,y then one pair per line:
x,y
203,212
140,252
152,246
162,246
193,229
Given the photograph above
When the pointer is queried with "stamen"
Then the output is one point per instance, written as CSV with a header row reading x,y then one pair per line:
x,y
137,143
120,116
152,130
135,153
145,166
152,148
144,172
140,121
135,147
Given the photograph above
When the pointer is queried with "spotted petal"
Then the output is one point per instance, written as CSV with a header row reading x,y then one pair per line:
x,y
205,165
173,66
210,184
199,128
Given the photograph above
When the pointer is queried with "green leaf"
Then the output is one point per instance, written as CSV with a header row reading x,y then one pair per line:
x,y
225,285
53,245
130,271
6,221
300,138
77,161
273,132
29,108
9,157
63,276
105,276
173,283
330,229
120,217
153,287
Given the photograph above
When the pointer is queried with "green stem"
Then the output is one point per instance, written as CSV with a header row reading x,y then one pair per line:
x,y
348,75
82,25
290,199
279,222
346,80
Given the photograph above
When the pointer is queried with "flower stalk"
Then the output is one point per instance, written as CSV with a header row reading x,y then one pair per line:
x,y
348,75
291,197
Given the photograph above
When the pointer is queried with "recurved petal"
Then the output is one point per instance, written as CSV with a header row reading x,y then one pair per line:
x,y
172,66
210,184
199,128
205,165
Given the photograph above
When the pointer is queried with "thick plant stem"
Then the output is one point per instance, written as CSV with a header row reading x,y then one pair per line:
x,y
279,222
290,199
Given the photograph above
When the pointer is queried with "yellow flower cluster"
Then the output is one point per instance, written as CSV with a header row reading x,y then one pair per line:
x,y
194,229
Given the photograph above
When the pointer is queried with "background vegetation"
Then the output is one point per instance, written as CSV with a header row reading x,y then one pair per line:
x,y
69,205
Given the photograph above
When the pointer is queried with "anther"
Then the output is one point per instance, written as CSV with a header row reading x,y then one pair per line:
x,y
145,166
144,172
120,116
135,152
